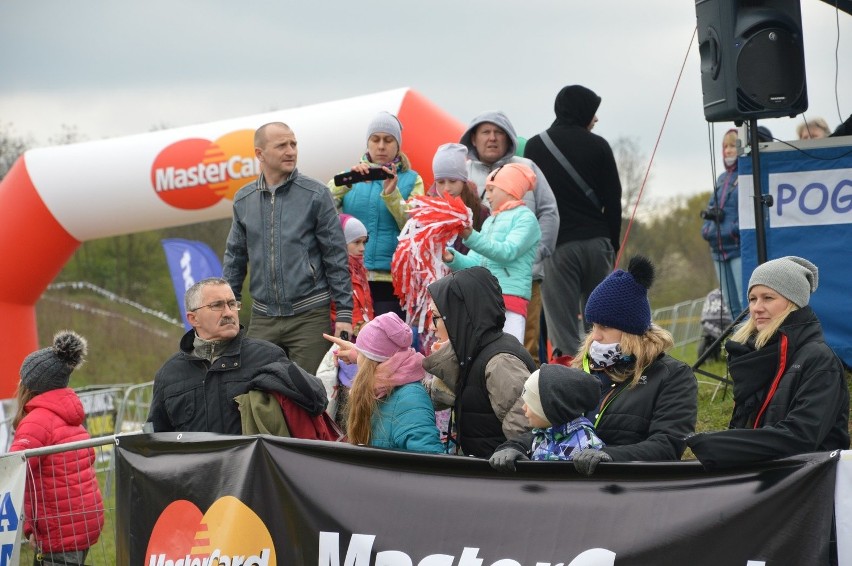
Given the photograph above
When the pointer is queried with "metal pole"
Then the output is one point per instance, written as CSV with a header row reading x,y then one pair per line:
x,y
759,201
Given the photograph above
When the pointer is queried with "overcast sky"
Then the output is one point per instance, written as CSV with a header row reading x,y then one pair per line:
x,y
112,68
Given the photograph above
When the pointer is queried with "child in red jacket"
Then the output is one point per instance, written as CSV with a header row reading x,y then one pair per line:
x,y
64,511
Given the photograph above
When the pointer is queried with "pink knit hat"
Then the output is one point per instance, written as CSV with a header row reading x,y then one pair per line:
x,y
514,178
383,337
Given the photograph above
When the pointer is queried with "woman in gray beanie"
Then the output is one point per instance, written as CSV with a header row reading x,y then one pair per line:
x,y
380,203
63,507
790,391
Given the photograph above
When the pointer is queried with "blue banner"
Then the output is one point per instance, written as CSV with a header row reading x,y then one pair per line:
x,y
811,217
189,261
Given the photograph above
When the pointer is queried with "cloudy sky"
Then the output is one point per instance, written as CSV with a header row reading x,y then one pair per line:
x,y
112,68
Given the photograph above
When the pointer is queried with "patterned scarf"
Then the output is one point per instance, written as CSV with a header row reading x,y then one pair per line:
x,y
559,442
394,165
603,356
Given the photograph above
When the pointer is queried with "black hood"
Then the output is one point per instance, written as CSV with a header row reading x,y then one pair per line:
x,y
576,106
471,303
566,393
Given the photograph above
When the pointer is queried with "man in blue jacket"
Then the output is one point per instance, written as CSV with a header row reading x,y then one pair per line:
x,y
286,227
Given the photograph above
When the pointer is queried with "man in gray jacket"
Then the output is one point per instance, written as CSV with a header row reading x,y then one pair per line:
x,y
491,143
286,227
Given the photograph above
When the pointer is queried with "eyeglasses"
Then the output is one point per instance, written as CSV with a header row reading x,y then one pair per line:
x,y
220,306
435,318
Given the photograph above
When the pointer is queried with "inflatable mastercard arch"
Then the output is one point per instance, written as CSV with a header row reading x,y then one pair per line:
x,y
57,197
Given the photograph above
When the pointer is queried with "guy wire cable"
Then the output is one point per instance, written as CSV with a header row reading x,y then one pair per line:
x,y
654,152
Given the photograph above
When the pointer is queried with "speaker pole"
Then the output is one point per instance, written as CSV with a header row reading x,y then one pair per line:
x,y
759,198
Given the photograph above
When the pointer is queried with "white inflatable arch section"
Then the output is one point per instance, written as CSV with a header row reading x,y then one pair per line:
x,y
57,197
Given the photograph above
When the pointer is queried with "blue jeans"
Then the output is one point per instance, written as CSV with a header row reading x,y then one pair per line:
x,y
730,274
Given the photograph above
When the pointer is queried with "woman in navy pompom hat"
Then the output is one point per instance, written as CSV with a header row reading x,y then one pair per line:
x,y
649,400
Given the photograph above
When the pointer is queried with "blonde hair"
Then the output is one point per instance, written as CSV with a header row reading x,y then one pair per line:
x,y
645,348
748,329
811,125
24,394
362,402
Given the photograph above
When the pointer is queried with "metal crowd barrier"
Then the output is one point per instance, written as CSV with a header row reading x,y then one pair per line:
x,y
683,320
101,551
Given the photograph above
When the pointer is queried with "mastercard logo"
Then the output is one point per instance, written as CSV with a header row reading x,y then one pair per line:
x,y
196,173
229,533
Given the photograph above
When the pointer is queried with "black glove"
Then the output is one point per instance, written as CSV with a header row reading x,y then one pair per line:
x,y
586,460
503,459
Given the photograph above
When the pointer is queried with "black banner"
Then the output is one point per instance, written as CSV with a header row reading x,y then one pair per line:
x,y
182,499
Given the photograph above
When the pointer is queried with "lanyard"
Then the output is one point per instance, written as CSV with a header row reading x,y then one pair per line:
x,y
614,392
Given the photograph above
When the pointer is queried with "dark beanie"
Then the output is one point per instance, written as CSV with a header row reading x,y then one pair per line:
x,y
567,393
50,368
621,300
576,105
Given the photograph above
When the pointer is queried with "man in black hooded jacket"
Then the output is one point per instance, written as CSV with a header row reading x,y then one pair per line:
x,y
589,218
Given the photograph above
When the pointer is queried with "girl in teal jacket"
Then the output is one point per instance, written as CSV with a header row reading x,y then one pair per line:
x,y
507,243
388,405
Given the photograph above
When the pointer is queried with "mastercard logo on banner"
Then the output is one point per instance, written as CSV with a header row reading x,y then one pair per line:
x,y
229,533
196,173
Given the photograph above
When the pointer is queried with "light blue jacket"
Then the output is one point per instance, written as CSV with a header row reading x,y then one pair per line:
x,y
405,420
541,201
506,246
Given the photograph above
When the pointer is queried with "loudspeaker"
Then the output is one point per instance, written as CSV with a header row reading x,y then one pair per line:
x,y
752,59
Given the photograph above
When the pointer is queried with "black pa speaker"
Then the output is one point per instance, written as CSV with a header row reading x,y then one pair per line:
x,y
752,59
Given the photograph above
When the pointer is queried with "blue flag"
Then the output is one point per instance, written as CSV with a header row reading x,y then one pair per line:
x,y
189,261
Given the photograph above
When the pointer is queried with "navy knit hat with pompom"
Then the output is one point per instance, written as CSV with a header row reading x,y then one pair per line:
x,y
621,300
50,368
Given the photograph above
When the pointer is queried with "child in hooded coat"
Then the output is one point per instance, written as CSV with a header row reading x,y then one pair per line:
x,y
63,507
556,400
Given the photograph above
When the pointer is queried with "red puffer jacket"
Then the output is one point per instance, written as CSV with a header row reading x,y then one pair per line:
x,y
62,502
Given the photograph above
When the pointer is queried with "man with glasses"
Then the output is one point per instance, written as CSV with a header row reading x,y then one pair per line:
x,y
194,391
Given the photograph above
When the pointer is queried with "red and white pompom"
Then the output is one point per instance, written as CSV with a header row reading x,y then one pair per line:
x,y
418,261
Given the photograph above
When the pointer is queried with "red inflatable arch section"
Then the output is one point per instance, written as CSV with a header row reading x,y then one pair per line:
x,y
57,197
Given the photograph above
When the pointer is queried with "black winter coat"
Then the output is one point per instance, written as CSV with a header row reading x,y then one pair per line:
x,y
649,421
809,411
193,395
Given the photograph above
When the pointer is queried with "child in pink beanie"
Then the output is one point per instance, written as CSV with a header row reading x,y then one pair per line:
x,y
507,243
388,405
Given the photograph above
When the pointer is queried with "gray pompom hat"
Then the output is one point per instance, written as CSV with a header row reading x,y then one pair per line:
x,y
793,277
50,368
